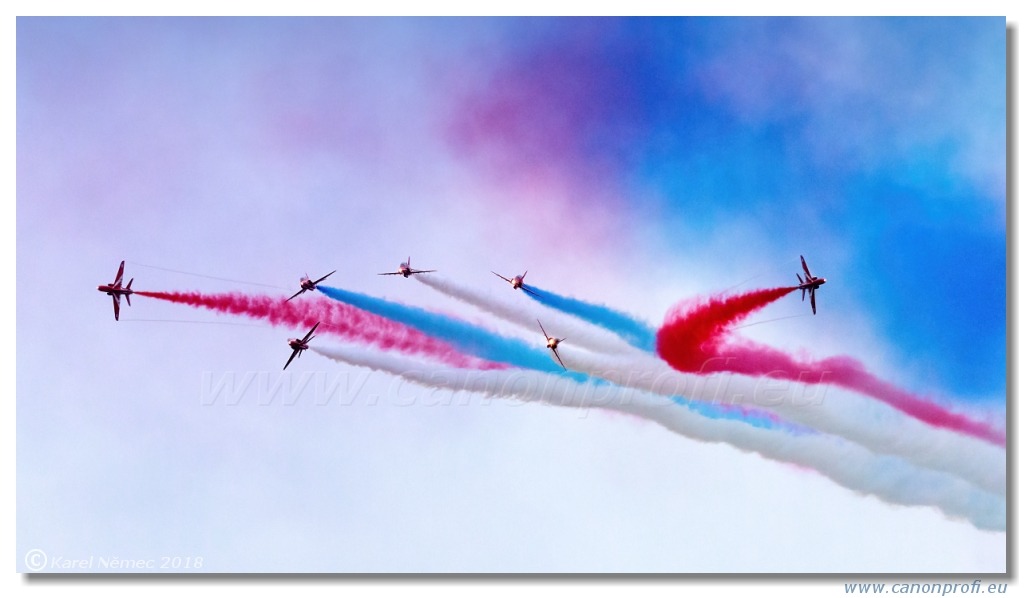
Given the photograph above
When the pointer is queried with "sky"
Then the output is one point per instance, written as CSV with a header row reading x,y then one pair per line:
x,y
638,164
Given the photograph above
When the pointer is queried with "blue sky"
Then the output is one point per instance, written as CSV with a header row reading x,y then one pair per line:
x,y
785,120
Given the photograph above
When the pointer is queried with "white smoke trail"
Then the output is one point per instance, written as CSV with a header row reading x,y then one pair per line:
x,y
829,409
890,478
823,407
581,333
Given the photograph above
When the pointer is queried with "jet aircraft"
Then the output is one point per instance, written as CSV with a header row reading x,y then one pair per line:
x,y
809,284
116,291
300,345
405,269
516,281
552,343
309,285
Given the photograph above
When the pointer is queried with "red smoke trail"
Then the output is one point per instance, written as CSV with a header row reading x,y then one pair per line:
x,y
335,318
693,340
690,337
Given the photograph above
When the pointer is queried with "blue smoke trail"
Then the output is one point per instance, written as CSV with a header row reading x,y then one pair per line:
x,y
630,329
494,347
747,416
463,335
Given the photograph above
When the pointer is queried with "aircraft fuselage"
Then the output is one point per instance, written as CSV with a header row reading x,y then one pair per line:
x,y
813,283
112,290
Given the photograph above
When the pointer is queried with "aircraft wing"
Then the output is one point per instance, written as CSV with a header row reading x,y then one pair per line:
x,y
806,271
555,351
120,273
546,337
309,334
322,278
387,273
117,307
814,309
501,277
420,271
296,295
294,353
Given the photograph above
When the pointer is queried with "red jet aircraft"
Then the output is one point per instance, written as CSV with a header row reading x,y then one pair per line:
x,y
298,346
516,281
115,290
309,285
811,283
552,344
405,269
